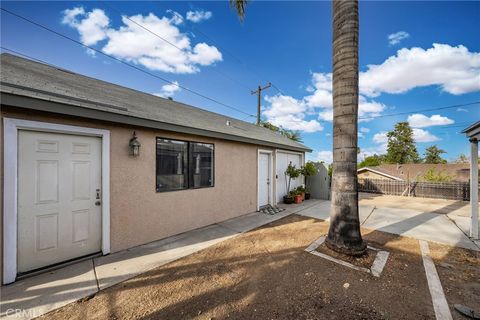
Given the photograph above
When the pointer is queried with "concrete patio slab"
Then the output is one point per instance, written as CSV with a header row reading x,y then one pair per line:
x,y
32,297
321,210
462,222
419,225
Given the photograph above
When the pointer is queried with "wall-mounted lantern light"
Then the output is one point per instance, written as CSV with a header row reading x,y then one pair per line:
x,y
134,146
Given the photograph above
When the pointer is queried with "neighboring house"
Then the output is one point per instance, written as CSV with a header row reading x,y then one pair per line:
x,y
414,171
72,186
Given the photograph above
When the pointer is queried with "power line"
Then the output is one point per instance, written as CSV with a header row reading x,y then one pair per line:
x,y
125,63
172,44
230,54
420,110
28,57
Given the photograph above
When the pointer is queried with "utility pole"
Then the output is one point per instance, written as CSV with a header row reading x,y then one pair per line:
x,y
259,93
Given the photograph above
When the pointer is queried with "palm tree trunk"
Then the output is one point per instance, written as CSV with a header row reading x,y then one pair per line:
x,y
344,233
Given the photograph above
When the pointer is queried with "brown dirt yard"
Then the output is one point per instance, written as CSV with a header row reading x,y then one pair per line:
x,y
266,274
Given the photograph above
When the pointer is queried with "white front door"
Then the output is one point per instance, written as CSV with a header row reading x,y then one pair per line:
x,y
264,179
282,160
59,208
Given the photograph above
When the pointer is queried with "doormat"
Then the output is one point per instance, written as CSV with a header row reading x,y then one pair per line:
x,y
271,210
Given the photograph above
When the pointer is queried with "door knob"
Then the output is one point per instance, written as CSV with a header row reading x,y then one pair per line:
x,y
97,203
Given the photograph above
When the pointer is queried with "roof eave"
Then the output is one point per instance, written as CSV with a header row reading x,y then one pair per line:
x,y
25,102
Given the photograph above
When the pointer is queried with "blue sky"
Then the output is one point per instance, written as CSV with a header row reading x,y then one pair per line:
x,y
413,56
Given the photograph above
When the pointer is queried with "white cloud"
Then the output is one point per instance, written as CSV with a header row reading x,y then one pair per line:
x,y
418,120
132,43
198,16
168,90
455,69
176,18
396,37
370,151
290,113
321,97
325,156
204,55
421,135
462,110
91,26
380,137
362,131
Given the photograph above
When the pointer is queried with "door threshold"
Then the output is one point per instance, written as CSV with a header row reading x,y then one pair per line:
x,y
56,266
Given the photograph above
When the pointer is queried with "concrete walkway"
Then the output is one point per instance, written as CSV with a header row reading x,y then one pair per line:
x,y
31,297
37,295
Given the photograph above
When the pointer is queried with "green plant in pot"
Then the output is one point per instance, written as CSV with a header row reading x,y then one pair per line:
x,y
308,170
291,173
298,196
289,198
301,190
307,193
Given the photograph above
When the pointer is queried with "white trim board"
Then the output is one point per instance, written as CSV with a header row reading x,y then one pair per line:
x,y
10,184
272,174
380,173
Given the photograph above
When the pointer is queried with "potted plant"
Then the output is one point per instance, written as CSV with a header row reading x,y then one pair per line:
x,y
289,198
298,197
309,169
307,193
301,190
291,173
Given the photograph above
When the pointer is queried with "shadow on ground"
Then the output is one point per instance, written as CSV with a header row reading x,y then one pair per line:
x,y
266,274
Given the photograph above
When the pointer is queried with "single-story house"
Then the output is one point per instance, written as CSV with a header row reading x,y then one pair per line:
x,y
90,167
414,171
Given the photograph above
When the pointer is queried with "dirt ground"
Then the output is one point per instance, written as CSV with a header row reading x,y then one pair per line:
x,y
266,274
440,206
459,272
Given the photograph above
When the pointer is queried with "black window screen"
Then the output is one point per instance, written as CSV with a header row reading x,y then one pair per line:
x,y
201,165
172,162
183,165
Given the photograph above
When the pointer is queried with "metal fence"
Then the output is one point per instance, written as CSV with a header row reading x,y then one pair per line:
x,y
442,190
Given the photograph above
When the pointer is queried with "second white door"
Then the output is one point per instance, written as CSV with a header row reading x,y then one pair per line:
x,y
282,161
264,179
59,209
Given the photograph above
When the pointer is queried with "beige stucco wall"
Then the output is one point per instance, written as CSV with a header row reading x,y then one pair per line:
x,y
138,213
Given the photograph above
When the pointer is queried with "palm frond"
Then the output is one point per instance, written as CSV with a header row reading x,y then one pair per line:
x,y
240,6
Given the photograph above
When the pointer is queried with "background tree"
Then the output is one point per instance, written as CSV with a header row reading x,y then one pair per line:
x,y
463,159
433,155
401,145
372,161
432,176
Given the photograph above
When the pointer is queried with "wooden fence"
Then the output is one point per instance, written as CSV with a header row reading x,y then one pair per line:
x,y
442,190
